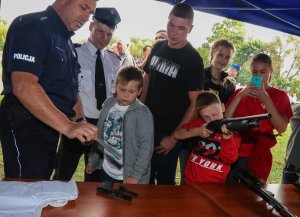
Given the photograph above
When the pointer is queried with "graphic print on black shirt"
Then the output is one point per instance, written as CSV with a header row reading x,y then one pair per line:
x,y
164,66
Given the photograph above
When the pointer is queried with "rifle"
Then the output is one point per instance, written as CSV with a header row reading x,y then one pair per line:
x,y
256,186
237,124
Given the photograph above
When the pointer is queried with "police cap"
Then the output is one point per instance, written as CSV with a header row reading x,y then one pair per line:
x,y
107,16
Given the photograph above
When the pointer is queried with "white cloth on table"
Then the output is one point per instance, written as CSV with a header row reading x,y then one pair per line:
x,y
27,199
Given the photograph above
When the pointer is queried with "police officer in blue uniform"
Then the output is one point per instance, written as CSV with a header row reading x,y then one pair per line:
x,y
101,31
40,77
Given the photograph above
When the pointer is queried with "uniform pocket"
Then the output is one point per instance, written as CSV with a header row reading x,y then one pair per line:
x,y
15,113
60,55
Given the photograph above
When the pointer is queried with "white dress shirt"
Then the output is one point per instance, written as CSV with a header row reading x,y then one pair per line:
x,y
87,60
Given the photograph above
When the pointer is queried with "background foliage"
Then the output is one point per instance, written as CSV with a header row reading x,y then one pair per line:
x,y
3,31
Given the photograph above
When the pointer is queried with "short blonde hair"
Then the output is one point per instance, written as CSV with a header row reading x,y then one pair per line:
x,y
130,73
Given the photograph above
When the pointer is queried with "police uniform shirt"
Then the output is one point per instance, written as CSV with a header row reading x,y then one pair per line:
x,y
39,43
87,60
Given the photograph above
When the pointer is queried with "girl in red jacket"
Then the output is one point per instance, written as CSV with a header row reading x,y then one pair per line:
x,y
254,152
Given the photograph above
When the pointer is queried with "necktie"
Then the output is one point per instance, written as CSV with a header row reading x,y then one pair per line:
x,y
100,87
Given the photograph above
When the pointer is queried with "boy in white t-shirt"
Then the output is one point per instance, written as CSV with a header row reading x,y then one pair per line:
x,y
126,127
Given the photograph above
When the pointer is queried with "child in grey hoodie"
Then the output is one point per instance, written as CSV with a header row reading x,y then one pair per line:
x,y
125,135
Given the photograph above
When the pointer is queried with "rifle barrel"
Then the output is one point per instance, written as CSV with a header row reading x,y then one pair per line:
x,y
255,186
252,117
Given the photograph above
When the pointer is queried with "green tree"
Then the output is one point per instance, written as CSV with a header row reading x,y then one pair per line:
x,y
286,77
277,51
137,44
279,81
231,30
295,87
247,50
3,32
204,52
293,51
243,57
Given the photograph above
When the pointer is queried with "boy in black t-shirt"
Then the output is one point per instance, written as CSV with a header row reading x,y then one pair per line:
x,y
173,80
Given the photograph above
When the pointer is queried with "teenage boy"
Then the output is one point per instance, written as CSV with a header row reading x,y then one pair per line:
x,y
213,153
173,80
126,126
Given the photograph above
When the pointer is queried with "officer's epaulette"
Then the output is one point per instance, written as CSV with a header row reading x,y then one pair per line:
x,y
31,19
111,52
76,45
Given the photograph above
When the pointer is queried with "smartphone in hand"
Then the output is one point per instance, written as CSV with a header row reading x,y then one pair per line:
x,y
256,80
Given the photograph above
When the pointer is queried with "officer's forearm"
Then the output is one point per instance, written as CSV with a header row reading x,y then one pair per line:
x,y
30,93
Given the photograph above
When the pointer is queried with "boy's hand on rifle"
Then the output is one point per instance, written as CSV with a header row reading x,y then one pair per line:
x,y
227,134
204,132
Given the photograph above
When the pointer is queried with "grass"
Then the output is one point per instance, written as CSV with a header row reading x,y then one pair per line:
x,y
278,152
275,177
